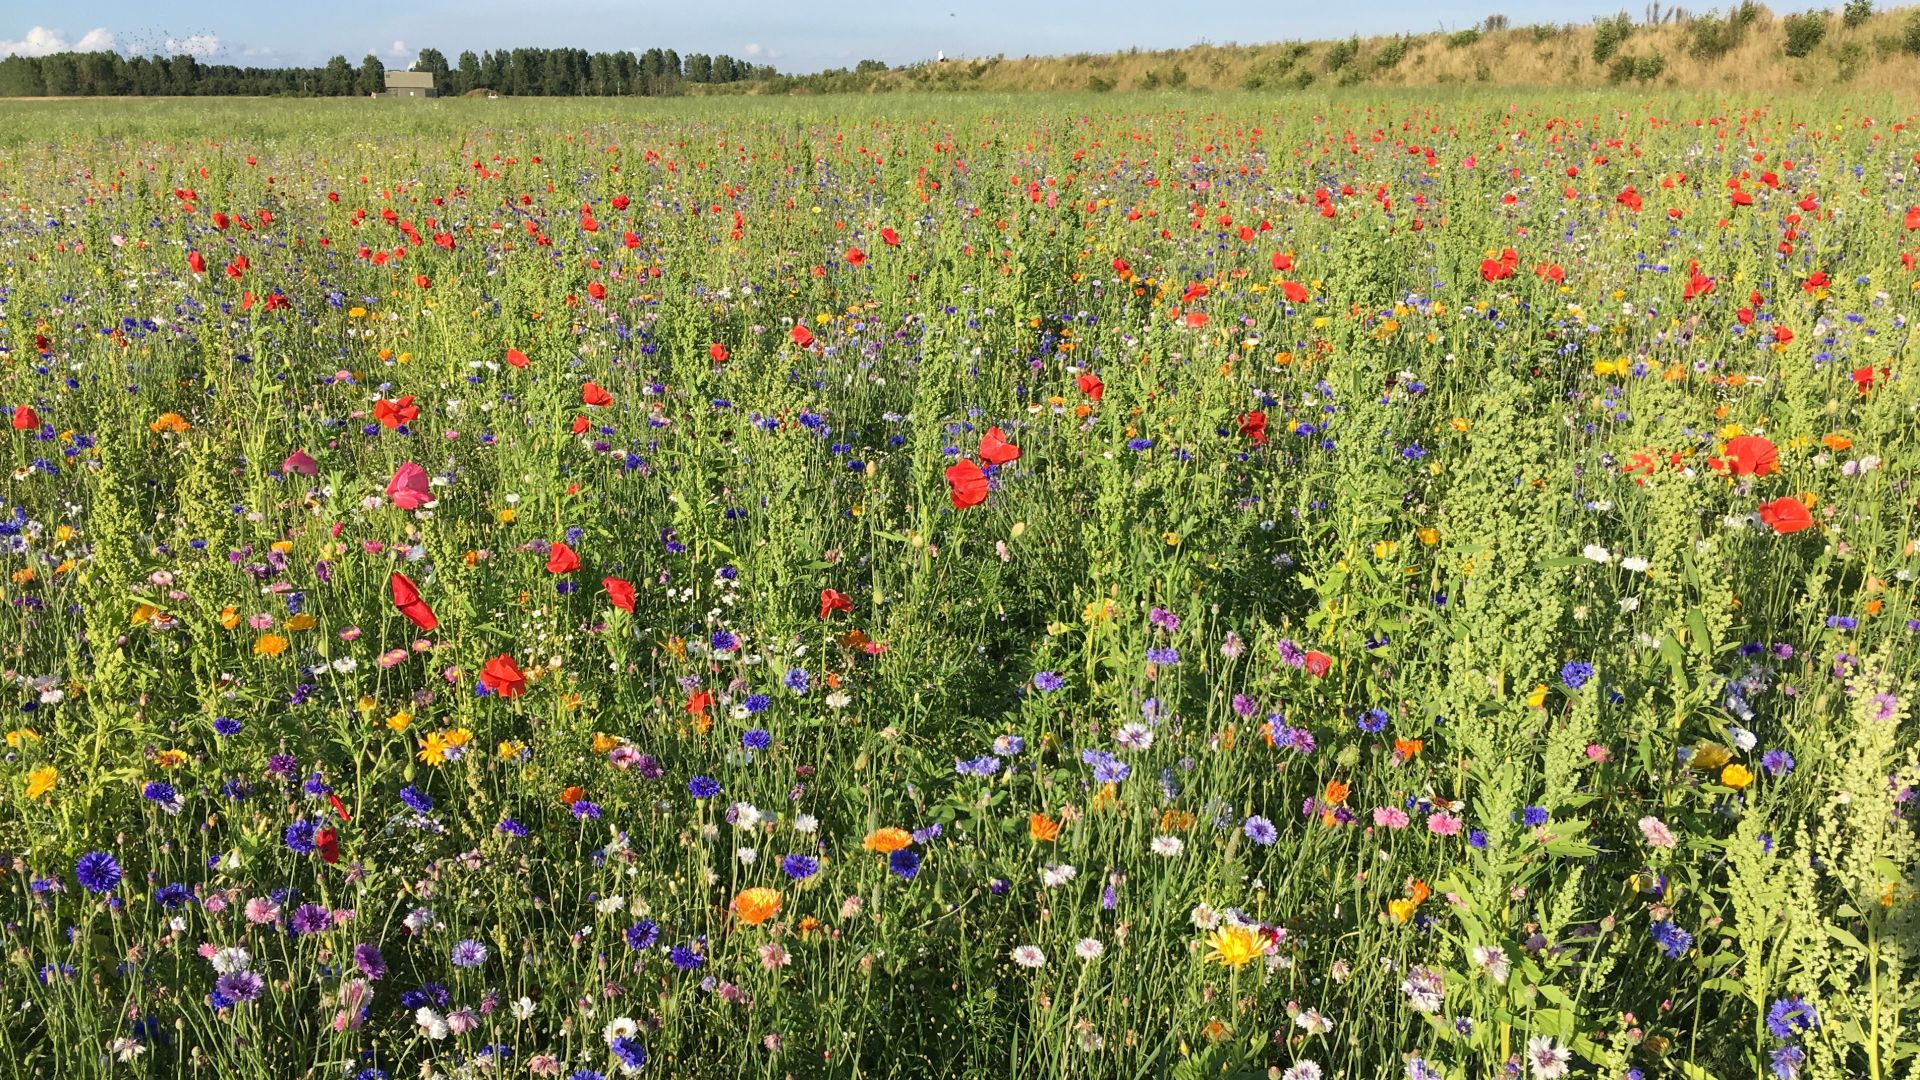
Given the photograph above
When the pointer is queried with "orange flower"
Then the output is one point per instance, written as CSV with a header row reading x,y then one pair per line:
x,y
1176,820
888,840
170,421
1336,793
1043,828
573,795
755,906
1418,891
1408,749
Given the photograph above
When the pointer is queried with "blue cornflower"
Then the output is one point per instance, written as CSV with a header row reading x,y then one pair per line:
x,y
644,934
800,867
1789,1017
469,954
985,766
757,738
226,725
703,787
757,703
631,1054
172,896
1373,721
240,986
1261,831
1139,444
1048,682
797,680
299,837
1575,674
904,864
1163,655
1671,938
512,827
724,641
414,797
1786,1062
1777,762
158,791
1534,816
686,958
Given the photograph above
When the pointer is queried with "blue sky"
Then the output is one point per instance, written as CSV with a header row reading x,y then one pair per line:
x,y
795,37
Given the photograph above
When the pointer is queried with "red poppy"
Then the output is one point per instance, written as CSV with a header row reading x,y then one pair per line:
x,y
300,462
1865,377
1318,664
1741,198
1254,426
1282,261
1786,515
327,842
832,600
1816,281
1781,334
1698,284
597,291
196,262
409,489
1090,385
25,419
423,281
516,358
592,394
699,702
801,336
1499,269
502,676
1295,292
392,414
562,559
717,353
339,807
995,449
892,238
406,597
1629,199
1748,455
966,485
855,256
620,592
1194,292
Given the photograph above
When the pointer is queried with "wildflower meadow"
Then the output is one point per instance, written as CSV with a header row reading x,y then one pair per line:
x,y
1252,585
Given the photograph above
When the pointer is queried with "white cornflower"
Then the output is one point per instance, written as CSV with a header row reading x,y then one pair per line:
x,y
1167,846
1029,956
1089,948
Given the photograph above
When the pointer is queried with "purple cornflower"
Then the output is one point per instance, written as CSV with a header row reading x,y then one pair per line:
x,y
311,919
469,954
97,871
1261,831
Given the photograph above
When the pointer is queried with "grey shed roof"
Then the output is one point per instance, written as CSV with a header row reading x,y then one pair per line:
x,y
421,79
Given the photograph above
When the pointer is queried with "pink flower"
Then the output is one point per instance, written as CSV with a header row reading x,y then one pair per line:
x,y
408,489
773,956
1598,754
462,1020
1443,824
260,622
1657,833
1389,817
261,911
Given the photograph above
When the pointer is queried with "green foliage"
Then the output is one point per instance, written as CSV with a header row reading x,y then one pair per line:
x,y
1856,12
1609,34
1391,53
1342,53
1462,39
1805,31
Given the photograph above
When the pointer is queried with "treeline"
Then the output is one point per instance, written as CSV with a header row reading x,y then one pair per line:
x,y
516,72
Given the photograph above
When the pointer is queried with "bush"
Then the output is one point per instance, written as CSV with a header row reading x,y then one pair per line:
x,y
1464,38
1805,31
1099,84
1342,53
1391,53
1636,68
1848,58
1609,35
1856,12
1910,37
1712,38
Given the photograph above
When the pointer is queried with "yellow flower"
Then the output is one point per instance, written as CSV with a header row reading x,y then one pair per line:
x,y
888,840
170,759
1235,946
433,749
604,743
41,780
1736,776
511,748
270,645
1539,696
1402,909
302,621
400,721
19,737
1429,537
229,617
1096,611
459,737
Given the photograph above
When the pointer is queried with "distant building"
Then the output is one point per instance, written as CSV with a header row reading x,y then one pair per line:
x,y
410,84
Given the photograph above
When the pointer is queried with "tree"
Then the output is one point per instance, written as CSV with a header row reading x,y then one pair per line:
x,y
699,68
336,79
373,76
468,77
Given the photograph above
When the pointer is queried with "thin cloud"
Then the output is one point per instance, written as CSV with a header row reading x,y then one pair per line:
x,y
43,41
198,46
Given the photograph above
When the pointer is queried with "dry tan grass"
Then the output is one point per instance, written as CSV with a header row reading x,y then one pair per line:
x,y
1523,56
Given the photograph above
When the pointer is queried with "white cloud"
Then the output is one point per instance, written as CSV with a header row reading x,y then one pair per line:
x,y
399,48
198,46
41,41
753,48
